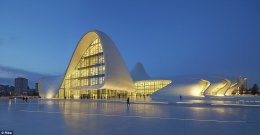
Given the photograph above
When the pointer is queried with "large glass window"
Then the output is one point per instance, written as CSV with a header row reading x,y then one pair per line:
x,y
89,71
91,68
148,87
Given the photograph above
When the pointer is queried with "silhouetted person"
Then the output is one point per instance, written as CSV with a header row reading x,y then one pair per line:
x,y
128,102
26,99
23,99
180,97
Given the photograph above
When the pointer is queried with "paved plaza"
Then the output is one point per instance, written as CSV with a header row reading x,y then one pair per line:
x,y
100,117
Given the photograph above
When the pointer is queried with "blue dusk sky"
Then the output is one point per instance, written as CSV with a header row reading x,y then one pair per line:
x,y
170,37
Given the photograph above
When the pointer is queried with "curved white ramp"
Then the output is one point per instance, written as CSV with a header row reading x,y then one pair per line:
x,y
214,88
222,91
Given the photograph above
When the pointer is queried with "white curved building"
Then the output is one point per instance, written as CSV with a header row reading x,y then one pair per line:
x,y
97,70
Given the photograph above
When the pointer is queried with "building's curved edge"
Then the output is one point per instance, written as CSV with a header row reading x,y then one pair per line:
x,y
79,50
117,76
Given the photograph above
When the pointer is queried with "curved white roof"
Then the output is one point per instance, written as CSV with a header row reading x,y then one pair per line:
x,y
138,73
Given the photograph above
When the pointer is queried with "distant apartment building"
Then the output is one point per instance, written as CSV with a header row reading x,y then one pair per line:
x,y
33,91
21,86
6,90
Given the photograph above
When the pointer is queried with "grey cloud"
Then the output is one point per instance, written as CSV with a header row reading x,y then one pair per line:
x,y
9,73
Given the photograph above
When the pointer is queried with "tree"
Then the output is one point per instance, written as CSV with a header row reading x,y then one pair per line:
x,y
254,89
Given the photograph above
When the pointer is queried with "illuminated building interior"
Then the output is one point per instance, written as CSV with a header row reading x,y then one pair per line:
x,y
89,71
147,87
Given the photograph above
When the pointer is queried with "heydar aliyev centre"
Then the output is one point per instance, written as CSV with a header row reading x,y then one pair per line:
x,y
97,70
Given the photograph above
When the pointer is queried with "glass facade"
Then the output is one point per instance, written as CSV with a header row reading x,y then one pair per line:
x,y
147,87
90,71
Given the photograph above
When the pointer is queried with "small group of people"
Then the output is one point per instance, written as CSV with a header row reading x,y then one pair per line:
x,y
25,99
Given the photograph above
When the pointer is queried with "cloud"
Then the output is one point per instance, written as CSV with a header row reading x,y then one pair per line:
x,y
9,73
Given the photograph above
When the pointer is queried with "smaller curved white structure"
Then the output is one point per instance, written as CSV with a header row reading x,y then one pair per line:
x,y
231,89
49,86
217,87
192,88
222,91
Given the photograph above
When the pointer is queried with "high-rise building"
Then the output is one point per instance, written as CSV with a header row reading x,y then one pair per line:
x,y
21,86
36,87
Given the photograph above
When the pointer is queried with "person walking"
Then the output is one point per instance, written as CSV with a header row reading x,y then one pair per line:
x,y
26,98
128,102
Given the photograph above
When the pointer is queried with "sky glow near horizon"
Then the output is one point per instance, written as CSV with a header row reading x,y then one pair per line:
x,y
168,37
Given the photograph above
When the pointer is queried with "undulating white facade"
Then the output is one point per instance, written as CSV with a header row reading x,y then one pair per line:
x,y
97,70
193,87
